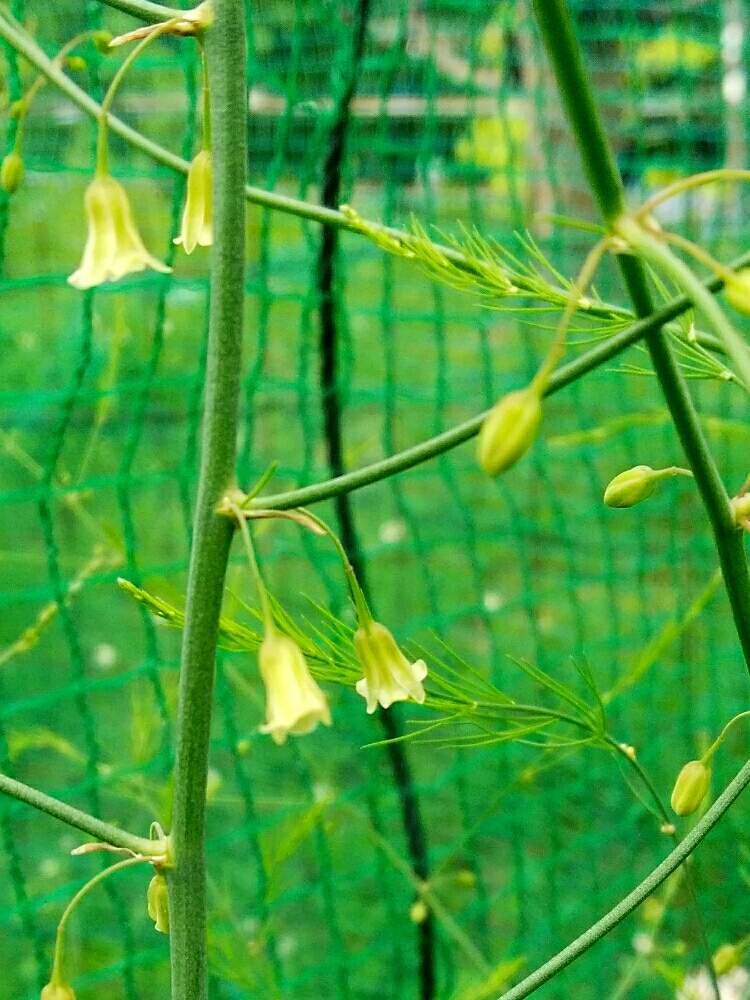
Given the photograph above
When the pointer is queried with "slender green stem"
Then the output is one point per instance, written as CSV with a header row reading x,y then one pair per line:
x,y
144,9
724,174
689,874
564,53
57,965
661,256
634,899
364,615
122,70
105,832
425,450
260,586
722,736
212,532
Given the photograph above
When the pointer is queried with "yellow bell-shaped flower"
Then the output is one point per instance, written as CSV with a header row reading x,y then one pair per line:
x,y
197,216
57,990
294,702
157,901
114,246
388,676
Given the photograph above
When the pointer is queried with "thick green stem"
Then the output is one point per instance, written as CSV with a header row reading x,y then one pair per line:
x,y
105,832
634,899
564,53
212,532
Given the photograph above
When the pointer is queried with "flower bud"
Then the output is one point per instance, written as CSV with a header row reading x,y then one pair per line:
x,y
158,903
418,912
11,172
509,430
691,787
101,40
631,486
726,958
57,990
76,63
737,290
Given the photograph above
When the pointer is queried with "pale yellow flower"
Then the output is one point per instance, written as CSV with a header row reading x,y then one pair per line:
x,y
294,702
197,226
157,900
388,676
57,990
114,246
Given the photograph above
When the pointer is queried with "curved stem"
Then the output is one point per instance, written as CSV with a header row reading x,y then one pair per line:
x,y
634,899
57,963
575,88
688,183
212,532
97,828
101,142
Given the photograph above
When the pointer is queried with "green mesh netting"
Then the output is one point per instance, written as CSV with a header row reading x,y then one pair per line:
x,y
454,118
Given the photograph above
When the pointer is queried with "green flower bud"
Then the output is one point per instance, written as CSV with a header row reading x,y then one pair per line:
x,y
737,290
630,487
418,912
509,430
158,903
11,172
57,990
101,40
76,63
690,788
726,958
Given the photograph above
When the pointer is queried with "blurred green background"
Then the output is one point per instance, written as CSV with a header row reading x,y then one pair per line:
x,y
455,119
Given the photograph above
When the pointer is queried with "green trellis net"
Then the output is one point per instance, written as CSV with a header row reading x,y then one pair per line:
x,y
453,117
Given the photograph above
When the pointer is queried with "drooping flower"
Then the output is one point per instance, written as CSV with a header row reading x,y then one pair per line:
x,y
114,246
294,702
197,216
157,901
58,990
389,676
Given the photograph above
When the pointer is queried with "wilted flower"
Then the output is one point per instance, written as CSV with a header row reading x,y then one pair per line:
x,y
11,172
197,227
691,786
509,430
57,990
157,901
114,246
388,676
294,702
